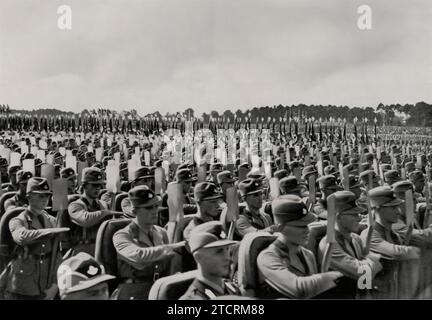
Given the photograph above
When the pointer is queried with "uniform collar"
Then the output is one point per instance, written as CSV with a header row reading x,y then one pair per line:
x,y
213,286
30,215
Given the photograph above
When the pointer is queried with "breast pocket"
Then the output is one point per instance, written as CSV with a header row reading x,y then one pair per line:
x,y
24,276
24,267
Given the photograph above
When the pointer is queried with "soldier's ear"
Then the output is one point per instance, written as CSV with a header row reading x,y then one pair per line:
x,y
198,256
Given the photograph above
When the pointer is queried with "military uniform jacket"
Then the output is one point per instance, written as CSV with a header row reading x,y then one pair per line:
x,y
247,223
139,257
388,243
289,280
88,217
15,201
201,290
348,257
394,280
30,266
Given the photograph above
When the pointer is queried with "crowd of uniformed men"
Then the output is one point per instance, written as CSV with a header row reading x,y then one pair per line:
x,y
132,243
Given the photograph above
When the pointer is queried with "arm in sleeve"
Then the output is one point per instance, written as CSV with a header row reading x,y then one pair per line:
x,y
277,275
135,255
23,236
82,217
348,265
387,249
243,226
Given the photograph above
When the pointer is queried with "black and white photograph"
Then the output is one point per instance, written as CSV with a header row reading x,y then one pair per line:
x,y
232,150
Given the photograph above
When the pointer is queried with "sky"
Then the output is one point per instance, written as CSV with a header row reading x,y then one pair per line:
x,y
169,55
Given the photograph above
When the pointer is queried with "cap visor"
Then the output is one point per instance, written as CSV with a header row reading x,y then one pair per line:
x,y
150,203
41,192
95,182
220,243
143,177
354,211
253,192
90,283
308,218
219,196
393,203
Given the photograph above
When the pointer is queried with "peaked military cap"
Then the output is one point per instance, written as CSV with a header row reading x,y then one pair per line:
x,y
225,177
206,191
67,173
142,196
38,185
327,181
416,175
250,186
289,184
80,272
92,175
345,202
143,173
383,197
185,175
282,173
23,176
208,235
290,209
402,186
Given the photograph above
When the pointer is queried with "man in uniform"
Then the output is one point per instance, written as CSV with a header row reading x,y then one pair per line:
x,y
354,185
185,178
88,212
38,167
280,174
409,167
81,277
417,178
13,184
210,205
32,231
290,185
143,250
225,181
347,253
58,158
4,169
142,177
20,199
90,158
389,244
215,168
327,186
391,176
211,251
307,172
70,176
251,217
287,268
